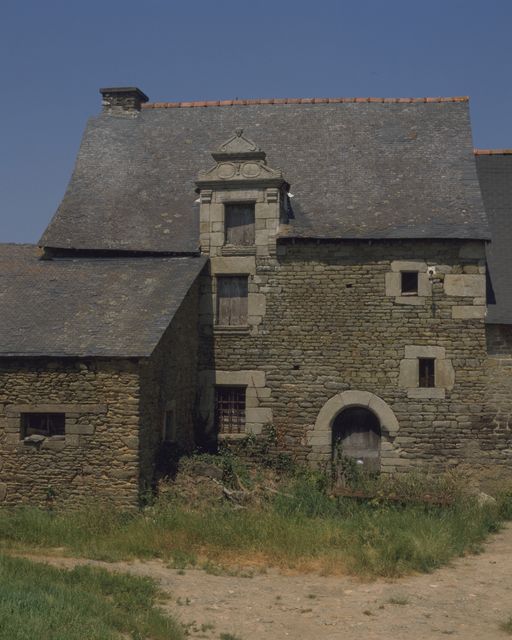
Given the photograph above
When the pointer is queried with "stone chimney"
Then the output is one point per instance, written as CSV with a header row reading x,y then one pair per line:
x,y
122,100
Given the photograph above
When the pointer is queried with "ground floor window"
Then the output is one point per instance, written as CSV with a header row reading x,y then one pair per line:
x,y
43,424
230,409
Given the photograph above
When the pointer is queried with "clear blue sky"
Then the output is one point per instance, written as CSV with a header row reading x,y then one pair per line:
x,y
55,54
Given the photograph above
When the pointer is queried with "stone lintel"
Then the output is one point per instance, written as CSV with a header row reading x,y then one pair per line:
x,y
408,265
424,351
233,265
80,408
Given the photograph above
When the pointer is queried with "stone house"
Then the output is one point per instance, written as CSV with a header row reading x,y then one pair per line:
x,y
336,269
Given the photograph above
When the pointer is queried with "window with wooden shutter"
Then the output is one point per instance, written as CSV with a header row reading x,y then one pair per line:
x,y
230,409
239,224
426,372
232,300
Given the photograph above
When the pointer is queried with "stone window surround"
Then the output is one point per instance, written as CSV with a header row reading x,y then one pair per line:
x,y
320,437
393,281
444,374
256,302
73,429
266,220
256,417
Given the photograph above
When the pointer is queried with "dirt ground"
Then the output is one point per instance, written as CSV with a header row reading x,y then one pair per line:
x,y
466,600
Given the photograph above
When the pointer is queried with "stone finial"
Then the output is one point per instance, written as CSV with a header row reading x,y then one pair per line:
x,y
122,99
238,144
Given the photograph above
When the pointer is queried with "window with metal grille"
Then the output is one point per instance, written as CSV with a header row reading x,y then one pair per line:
x,y
427,377
43,424
239,224
232,300
409,283
230,409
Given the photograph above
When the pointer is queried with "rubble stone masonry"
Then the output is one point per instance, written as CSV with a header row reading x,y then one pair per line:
x,y
97,458
335,322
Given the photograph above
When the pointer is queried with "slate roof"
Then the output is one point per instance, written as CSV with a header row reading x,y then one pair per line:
x,y
116,307
358,168
495,174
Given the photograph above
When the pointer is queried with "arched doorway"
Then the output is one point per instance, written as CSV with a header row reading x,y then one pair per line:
x,y
319,439
357,430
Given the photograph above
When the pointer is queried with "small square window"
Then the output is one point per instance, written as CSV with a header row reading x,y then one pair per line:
x,y
230,409
232,292
43,424
409,283
426,370
239,224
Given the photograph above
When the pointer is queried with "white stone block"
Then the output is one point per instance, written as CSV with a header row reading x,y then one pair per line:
x,y
465,284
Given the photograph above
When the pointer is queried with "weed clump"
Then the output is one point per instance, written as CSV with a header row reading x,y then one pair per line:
x,y
227,515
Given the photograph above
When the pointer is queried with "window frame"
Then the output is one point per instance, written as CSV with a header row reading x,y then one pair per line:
x,y
426,373
48,432
232,419
251,204
220,320
414,291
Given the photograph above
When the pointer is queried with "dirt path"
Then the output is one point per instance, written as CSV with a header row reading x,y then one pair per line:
x,y
466,600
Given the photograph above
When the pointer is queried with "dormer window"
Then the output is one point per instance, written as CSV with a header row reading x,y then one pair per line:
x,y
239,224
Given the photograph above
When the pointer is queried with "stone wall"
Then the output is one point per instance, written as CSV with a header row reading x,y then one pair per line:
x,y
169,384
495,442
334,322
97,458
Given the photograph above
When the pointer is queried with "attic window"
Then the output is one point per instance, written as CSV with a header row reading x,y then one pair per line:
x,y
239,224
409,283
426,371
43,424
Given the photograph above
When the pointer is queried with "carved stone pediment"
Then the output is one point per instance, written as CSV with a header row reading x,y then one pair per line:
x,y
239,160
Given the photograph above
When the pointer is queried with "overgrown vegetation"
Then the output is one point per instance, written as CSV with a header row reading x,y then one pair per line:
x,y
38,601
507,626
286,518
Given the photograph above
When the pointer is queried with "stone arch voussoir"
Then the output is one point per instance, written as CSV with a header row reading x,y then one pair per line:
x,y
319,439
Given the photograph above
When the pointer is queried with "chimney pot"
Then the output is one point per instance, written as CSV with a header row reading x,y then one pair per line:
x,y
122,99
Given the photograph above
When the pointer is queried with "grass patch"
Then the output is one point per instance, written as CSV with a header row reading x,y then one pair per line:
x,y
301,528
38,601
399,600
507,626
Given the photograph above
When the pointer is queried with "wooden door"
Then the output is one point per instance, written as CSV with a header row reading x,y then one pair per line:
x,y
358,430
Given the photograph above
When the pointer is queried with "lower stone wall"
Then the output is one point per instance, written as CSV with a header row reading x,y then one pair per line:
x,y
334,324
97,458
495,441
169,385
